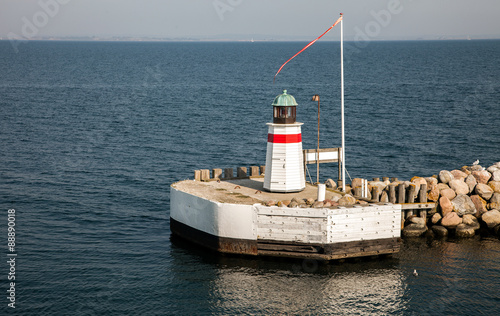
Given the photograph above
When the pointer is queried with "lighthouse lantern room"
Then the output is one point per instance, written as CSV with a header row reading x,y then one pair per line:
x,y
284,158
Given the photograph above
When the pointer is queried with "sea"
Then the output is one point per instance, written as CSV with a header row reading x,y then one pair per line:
x,y
93,134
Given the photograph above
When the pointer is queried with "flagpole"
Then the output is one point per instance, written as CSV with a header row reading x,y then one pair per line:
x,y
342,97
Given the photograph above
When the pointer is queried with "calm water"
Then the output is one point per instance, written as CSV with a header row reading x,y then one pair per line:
x,y
93,134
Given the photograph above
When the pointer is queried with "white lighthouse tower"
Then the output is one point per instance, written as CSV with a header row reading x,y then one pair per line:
x,y
284,158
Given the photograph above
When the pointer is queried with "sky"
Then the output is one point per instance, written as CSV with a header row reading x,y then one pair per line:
x,y
250,19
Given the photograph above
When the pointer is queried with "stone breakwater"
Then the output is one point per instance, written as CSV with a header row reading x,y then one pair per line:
x,y
467,200
463,201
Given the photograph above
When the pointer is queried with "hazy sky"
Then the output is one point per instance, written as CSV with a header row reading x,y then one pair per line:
x,y
245,19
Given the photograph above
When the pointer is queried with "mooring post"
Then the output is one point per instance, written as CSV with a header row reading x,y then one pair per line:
x,y
262,170
197,175
241,172
216,173
228,173
205,174
254,171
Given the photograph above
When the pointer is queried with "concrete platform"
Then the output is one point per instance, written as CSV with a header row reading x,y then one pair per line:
x,y
245,191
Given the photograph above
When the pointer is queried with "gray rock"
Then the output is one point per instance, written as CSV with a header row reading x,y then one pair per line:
x,y
440,231
318,204
384,197
471,182
463,204
413,230
293,204
336,197
445,176
464,231
459,186
418,221
491,218
484,191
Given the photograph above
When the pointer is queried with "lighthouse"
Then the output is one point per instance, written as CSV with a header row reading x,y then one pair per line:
x,y
284,157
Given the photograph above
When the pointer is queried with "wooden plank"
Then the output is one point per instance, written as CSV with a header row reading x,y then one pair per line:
x,y
287,211
415,206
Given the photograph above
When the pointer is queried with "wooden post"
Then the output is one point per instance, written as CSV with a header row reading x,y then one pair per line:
x,y
375,194
241,172
254,171
394,179
411,193
423,193
385,179
376,179
401,193
228,173
392,193
205,174
216,173
197,175
423,214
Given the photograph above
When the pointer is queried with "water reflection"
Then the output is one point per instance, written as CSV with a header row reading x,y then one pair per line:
x,y
268,286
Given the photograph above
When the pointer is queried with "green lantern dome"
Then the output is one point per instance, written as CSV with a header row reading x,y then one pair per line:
x,y
284,100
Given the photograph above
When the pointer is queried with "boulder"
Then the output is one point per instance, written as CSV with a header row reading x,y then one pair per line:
x,y
331,184
451,220
463,204
298,200
347,200
379,184
449,193
471,182
436,218
476,168
464,231
270,203
471,221
418,181
431,181
443,186
418,221
446,206
336,197
310,201
445,176
494,201
482,176
457,174
433,194
439,231
318,204
356,182
384,197
459,186
495,175
491,218
495,186
484,191
414,230
493,168
479,204
293,204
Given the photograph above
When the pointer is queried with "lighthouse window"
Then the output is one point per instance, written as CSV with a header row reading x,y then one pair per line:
x,y
289,112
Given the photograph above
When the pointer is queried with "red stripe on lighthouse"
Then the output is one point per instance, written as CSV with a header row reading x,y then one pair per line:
x,y
284,138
